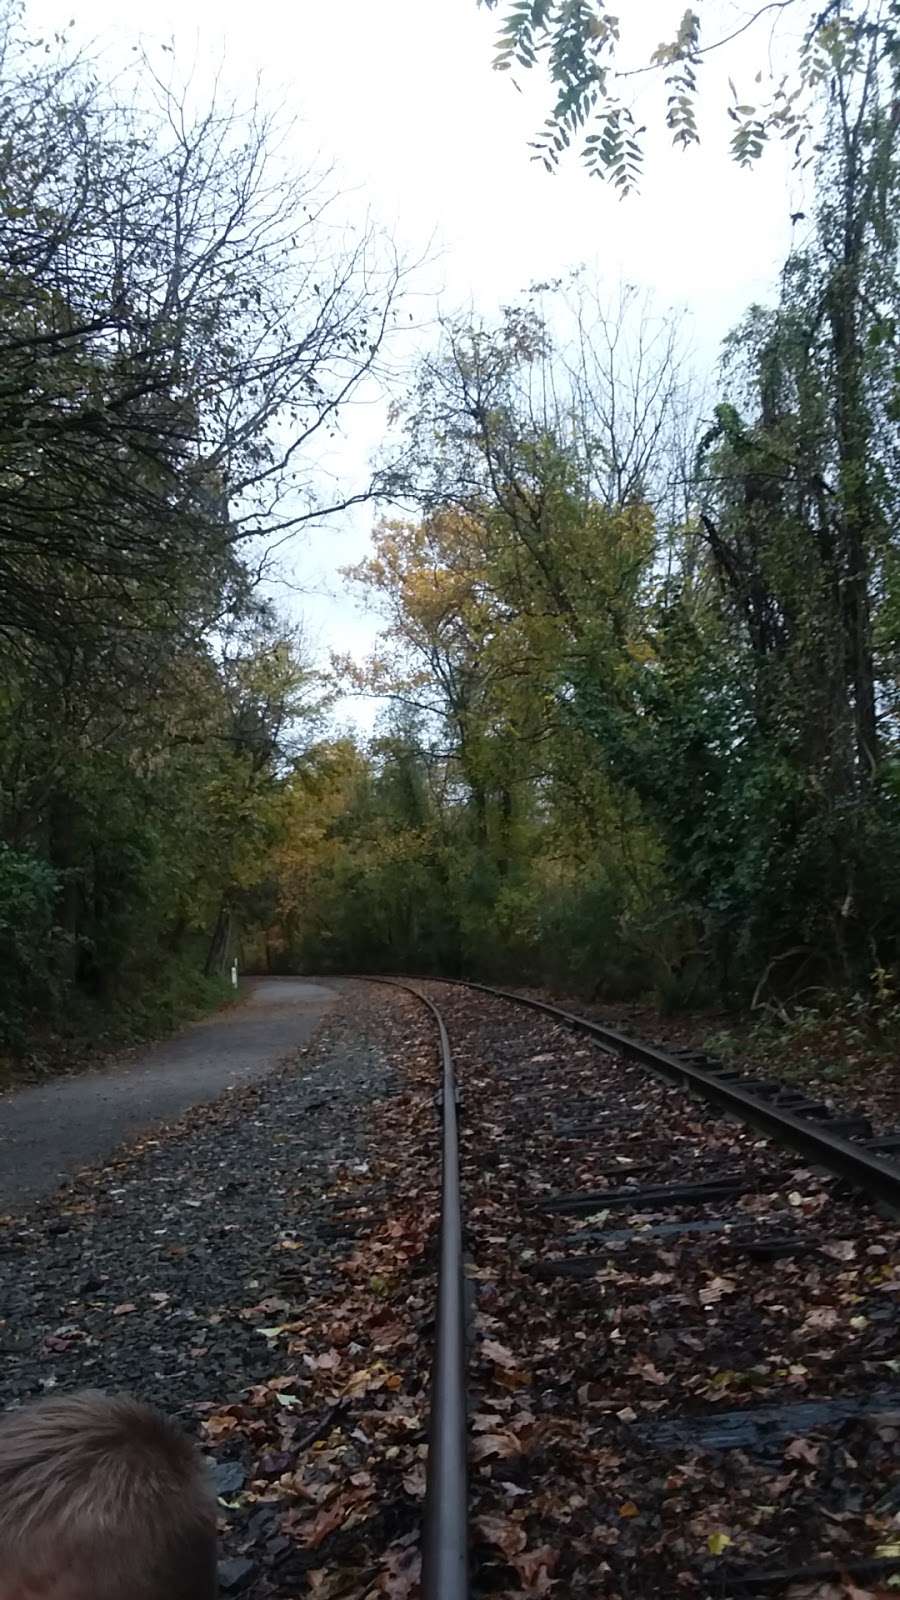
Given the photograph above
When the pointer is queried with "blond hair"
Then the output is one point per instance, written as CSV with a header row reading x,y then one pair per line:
x,y
103,1499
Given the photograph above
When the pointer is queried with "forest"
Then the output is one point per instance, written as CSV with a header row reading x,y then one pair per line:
x,y
640,636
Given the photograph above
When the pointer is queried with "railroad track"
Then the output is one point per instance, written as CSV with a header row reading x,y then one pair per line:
x,y
683,1360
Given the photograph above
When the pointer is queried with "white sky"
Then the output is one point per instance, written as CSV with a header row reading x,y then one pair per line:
x,y
400,94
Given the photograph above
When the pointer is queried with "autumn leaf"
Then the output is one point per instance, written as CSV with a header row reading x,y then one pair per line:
x,y
219,1425
507,1535
332,1516
512,1377
713,1291
647,1371
325,1523
803,1450
495,1444
534,1568
498,1353
401,1574
717,1543
822,1317
414,1481
840,1250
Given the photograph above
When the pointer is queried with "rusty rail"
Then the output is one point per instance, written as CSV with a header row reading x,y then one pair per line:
x,y
445,1534
445,1565
861,1166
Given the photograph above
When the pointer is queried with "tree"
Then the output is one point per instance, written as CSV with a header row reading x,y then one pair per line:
x,y
523,576
582,43
799,495
181,323
175,336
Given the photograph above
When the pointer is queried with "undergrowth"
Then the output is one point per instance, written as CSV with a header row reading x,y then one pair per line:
x,y
90,1029
834,1038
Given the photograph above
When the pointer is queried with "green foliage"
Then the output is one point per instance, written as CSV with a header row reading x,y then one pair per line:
x,y
174,325
643,675
654,748
581,44
28,888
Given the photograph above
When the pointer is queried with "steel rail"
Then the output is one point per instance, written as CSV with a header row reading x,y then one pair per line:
x,y
445,1563
445,1533
861,1166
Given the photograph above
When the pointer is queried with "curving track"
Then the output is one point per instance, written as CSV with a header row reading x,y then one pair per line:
x,y
684,1371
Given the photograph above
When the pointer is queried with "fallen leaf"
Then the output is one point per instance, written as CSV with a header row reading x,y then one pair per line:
x,y
495,1444
508,1536
414,1481
400,1578
484,1421
647,1371
534,1568
717,1542
218,1425
821,1317
124,1309
840,1250
803,1450
498,1353
713,1291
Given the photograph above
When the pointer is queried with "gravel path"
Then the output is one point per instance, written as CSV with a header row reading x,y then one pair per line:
x,y
189,1231
186,1268
49,1132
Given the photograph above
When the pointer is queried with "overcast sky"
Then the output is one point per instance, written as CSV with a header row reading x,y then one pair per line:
x,y
400,94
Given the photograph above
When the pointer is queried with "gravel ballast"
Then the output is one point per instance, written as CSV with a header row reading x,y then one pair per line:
x,y
167,1271
135,1277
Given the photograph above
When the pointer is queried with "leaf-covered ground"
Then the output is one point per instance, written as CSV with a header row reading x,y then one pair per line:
x,y
264,1270
849,1058
258,1270
596,1464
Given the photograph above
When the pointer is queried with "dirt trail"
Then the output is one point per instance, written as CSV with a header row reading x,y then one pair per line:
x,y
48,1132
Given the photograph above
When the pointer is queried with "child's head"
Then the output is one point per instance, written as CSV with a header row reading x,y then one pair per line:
x,y
102,1499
